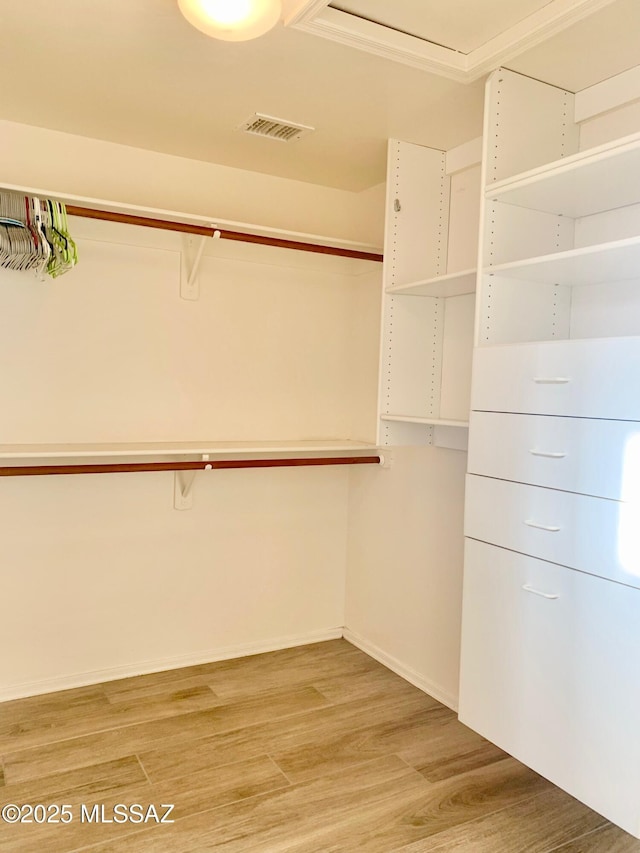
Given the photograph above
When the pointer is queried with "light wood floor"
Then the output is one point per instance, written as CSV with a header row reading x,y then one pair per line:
x,y
311,750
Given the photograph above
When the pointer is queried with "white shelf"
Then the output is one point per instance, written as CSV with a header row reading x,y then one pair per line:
x,y
409,419
451,284
589,182
179,449
607,262
112,206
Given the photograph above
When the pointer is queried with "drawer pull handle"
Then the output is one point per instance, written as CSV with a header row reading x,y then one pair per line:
x,y
551,380
547,455
542,526
535,591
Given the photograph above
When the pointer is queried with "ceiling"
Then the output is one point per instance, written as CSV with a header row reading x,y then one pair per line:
x,y
140,75
460,39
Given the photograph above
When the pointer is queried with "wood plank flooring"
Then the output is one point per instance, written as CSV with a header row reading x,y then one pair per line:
x,y
317,749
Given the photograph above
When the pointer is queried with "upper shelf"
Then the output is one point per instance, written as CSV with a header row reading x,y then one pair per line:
x,y
140,215
591,181
177,449
451,284
618,260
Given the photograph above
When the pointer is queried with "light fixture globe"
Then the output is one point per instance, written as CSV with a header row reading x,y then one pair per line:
x,y
232,20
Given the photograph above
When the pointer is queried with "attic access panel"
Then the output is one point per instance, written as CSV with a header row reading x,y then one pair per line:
x,y
460,25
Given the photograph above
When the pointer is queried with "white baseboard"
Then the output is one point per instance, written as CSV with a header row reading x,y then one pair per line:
x,y
403,671
84,679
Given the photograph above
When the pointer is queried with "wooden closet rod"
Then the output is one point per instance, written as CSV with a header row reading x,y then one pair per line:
x,y
132,467
205,231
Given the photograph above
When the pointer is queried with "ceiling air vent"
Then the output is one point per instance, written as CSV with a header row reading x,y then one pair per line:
x,y
275,128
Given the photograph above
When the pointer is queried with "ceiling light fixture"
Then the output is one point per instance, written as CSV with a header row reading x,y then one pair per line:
x,y
232,20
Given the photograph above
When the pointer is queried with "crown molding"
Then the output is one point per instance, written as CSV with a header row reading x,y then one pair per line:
x,y
318,18
382,41
301,11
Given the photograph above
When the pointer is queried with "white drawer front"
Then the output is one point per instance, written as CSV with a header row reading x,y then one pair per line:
x,y
593,457
584,378
554,680
594,535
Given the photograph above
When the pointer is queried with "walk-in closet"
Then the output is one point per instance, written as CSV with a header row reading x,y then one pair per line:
x,y
319,432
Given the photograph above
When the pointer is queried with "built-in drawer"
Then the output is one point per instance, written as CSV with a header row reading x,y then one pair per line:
x,y
584,378
594,535
593,457
549,672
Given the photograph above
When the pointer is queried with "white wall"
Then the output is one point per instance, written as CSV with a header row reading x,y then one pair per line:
x,y
101,576
404,580
75,165
110,352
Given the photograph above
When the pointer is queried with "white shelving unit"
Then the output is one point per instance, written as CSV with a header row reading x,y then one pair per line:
x,y
571,225
429,297
551,639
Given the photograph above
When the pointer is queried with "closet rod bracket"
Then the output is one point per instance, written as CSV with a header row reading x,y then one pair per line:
x,y
191,257
183,482
183,489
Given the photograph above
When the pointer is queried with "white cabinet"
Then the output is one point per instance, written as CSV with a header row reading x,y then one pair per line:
x,y
587,379
550,639
550,672
593,535
592,457
429,297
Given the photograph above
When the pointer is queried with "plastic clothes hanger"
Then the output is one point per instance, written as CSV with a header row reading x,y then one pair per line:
x,y
34,235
